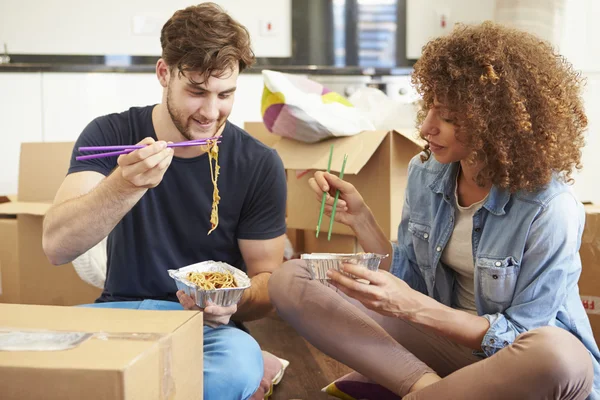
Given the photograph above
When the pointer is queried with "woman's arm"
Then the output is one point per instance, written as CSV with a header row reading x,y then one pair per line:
x,y
551,255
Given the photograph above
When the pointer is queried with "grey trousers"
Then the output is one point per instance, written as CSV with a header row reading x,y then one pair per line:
x,y
545,363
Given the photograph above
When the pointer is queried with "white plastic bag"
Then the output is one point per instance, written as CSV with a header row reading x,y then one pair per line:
x,y
383,112
299,108
91,265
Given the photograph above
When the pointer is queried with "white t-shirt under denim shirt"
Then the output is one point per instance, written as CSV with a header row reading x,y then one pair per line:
x,y
458,255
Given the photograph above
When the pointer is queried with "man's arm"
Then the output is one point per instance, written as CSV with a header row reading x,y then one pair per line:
x,y
88,206
262,257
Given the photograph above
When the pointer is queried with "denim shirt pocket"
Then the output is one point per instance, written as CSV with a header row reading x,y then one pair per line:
x,y
420,241
497,280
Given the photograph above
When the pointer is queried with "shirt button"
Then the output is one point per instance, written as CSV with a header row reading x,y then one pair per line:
x,y
477,229
438,249
495,276
426,235
498,264
492,341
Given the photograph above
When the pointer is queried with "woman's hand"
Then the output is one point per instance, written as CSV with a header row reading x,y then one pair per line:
x,y
385,294
351,208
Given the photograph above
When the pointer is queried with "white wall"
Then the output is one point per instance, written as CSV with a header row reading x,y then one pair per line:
x,y
20,121
424,19
107,27
55,107
579,44
587,182
579,41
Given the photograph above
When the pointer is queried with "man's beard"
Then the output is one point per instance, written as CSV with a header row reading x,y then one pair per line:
x,y
182,123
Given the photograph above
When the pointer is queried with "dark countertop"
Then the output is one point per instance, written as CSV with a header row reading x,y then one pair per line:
x,y
143,64
150,68
43,67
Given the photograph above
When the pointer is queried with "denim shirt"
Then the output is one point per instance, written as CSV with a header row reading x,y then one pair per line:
x,y
525,252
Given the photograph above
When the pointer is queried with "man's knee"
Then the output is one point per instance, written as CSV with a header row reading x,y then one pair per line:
x,y
233,365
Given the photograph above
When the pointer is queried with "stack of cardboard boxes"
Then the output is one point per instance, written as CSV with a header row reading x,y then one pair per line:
x,y
27,277
125,354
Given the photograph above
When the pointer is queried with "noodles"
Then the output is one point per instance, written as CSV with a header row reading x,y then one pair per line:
x,y
213,153
212,280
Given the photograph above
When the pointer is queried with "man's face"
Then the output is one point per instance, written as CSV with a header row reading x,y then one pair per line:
x,y
200,110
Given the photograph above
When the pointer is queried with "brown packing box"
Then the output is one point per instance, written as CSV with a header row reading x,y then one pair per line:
x,y
164,363
259,131
337,244
27,276
589,282
303,241
9,270
377,167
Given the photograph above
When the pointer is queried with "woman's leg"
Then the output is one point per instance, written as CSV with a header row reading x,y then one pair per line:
x,y
545,363
387,350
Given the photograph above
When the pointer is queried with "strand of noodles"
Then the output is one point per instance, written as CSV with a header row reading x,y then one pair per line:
x,y
213,153
212,280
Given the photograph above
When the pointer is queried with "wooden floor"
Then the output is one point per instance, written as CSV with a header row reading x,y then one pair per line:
x,y
309,370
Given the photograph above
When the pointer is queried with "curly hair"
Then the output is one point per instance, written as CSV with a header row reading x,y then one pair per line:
x,y
517,103
205,39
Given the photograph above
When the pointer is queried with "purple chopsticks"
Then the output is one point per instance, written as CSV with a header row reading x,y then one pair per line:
x,y
114,151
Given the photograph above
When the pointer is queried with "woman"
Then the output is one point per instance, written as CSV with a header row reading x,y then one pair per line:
x,y
479,299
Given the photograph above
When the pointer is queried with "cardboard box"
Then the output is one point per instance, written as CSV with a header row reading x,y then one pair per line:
x,y
259,131
8,254
337,244
27,275
589,282
377,167
9,272
133,354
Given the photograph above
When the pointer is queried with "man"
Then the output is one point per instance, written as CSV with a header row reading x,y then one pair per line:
x,y
155,203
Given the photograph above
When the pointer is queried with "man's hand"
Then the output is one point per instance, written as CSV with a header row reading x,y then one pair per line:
x,y
145,168
214,316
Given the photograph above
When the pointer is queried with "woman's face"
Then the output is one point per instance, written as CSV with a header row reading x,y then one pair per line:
x,y
440,131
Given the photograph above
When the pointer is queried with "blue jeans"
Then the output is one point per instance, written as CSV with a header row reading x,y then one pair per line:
x,y
233,362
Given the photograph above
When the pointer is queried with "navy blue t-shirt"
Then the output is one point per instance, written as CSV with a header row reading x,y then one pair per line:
x,y
167,228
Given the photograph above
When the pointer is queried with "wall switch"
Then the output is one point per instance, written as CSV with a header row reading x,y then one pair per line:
x,y
268,27
443,20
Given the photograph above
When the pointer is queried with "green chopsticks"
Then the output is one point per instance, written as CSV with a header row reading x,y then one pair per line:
x,y
324,193
337,195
